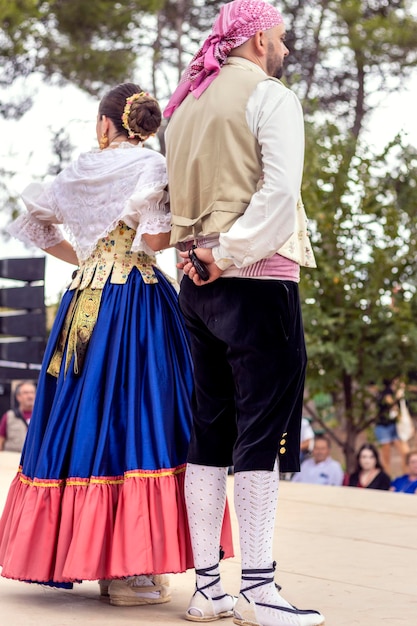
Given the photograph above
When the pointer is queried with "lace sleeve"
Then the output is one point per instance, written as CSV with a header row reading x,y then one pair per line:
x,y
148,212
33,232
37,227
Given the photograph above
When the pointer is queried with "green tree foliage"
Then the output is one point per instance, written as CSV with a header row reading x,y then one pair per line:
x,y
180,29
94,42
359,303
90,43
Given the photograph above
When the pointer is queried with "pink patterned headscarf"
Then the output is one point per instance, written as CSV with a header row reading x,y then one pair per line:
x,y
237,22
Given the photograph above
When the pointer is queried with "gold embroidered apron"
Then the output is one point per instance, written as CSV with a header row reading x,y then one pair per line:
x,y
111,259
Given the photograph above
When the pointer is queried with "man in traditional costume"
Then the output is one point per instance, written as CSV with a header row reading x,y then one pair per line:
x,y
235,147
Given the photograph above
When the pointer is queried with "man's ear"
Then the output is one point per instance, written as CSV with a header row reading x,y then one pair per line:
x,y
260,42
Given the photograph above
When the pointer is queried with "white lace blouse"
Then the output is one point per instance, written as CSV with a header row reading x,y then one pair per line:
x,y
92,195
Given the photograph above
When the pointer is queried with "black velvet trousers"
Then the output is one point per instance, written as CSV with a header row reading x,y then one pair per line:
x,y
248,348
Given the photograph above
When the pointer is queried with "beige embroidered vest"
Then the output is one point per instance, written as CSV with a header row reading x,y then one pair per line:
x,y
208,202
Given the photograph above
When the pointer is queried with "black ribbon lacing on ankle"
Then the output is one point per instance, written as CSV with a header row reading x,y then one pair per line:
x,y
256,575
262,579
206,572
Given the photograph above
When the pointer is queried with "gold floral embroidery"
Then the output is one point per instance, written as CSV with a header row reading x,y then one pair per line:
x,y
82,326
76,332
113,258
56,360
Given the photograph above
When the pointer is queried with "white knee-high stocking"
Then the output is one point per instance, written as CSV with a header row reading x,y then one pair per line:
x,y
205,496
256,498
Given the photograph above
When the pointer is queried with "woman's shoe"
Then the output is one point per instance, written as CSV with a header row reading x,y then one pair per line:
x,y
138,590
104,584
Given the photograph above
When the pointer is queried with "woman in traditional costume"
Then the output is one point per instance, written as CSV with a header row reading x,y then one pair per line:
x,y
99,491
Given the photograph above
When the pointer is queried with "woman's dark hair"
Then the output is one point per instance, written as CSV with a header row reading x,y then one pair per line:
x,y
371,447
144,117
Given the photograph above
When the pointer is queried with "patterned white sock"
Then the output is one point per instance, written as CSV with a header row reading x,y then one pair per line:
x,y
256,497
205,496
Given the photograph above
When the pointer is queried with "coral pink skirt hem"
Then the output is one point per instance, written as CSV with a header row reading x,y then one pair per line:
x,y
104,527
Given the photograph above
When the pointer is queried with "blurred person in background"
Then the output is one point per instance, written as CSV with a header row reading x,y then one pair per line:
x,y
386,434
408,482
14,423
320,469
369,472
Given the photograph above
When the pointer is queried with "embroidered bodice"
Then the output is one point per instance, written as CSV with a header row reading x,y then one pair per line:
x,y
113,259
